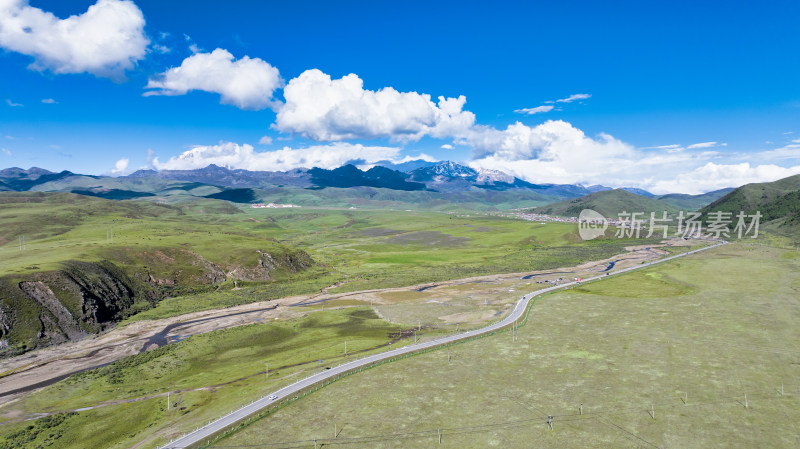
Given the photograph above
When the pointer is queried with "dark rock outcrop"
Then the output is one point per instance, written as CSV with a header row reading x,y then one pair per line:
x,y
269,264
66,323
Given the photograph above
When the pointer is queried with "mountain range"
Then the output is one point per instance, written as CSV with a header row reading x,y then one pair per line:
x,y
422,184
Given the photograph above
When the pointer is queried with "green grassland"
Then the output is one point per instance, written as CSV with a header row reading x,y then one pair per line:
x,y
207,374
206,254
356,249
369,249
706,329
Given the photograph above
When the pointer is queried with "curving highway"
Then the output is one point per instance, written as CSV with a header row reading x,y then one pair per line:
x,y
206,432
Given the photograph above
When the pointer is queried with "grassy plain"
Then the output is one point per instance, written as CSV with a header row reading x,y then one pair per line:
x,y
360,250
706,329
353,249
207,374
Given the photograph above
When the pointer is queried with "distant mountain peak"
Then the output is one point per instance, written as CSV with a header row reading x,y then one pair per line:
x,y
638,191
491,176
31,173
450,168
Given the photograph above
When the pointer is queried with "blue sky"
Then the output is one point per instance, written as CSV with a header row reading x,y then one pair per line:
x,y
675,96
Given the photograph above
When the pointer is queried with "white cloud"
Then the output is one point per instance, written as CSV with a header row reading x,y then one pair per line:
x,y
554,151
706,145
105,40
671,148
245,83
192,46
675,148
12,104
49,101
713,176
120,166
536,110
233,155
447,146
6,151
665,147
549,104
787,152
265,140
163,49
323,109
557,152
547,141
574,97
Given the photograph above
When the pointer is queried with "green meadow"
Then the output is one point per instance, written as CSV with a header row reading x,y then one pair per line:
x,y
209,374
125,404
686,340
354,249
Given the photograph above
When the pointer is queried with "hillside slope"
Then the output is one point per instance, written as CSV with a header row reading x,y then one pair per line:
x,y
609,203
778,203
752,197
63,277
693,202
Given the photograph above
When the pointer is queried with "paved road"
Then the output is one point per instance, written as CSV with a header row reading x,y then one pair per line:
x,y
204,433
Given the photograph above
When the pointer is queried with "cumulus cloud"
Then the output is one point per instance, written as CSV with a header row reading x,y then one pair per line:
x,y
6,151
323,109
265,140
247,83
554,151
557,152
574,97
105,40
12,104
549,141
49,101
120,166
712,176
233,155
536,110
447,146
